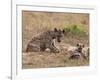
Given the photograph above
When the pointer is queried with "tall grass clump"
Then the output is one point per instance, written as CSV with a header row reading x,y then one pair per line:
x,y
75,30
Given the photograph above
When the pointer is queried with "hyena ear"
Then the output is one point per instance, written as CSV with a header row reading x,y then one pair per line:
x,y
77,44
63,31
55,29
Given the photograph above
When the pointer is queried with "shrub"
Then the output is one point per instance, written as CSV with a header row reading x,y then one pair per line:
x,y
75,30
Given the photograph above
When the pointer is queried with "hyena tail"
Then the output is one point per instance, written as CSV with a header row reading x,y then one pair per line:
x,y
27,49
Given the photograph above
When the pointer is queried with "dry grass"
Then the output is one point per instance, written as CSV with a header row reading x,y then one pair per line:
x,y
34,23
50,60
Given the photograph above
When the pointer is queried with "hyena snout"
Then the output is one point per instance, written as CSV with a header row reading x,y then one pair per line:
x,y
80,46
59,40
59,34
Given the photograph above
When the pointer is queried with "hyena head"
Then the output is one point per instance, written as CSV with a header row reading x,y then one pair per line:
x,y
80,47
58,34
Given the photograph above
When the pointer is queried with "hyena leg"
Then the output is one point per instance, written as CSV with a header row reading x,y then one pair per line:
x,y
32,48
42,47
52,48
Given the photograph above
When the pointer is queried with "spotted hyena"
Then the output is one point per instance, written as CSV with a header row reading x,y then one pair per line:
x,y
76,51
45,40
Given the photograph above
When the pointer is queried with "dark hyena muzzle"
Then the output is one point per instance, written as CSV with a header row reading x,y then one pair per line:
x,y
80,47
59,34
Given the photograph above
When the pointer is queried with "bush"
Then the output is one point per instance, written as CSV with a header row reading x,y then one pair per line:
x,y
75,30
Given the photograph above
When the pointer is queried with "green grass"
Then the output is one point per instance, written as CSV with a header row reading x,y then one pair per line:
x,y
75,30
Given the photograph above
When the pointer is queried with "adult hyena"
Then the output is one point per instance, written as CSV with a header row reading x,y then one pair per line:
x,y
45,40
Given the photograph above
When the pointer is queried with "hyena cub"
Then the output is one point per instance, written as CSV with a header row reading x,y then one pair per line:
x,y
45,40
76,51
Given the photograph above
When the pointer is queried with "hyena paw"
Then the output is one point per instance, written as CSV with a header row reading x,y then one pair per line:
x,y
56,51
